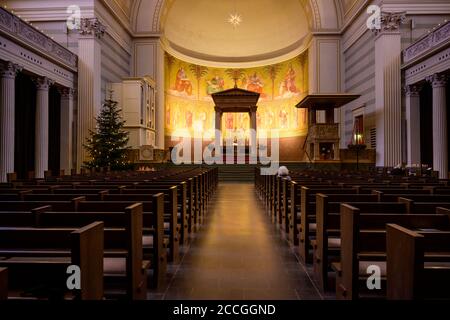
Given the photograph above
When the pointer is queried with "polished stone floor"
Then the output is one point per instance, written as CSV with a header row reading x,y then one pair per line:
x,y
238,255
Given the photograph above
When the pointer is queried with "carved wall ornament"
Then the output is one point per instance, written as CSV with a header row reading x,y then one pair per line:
x,y
391,21
438,80
43,83
66,93
92,26
15,27
9,70
413,90
432,40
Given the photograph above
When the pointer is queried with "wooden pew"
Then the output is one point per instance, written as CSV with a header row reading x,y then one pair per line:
x,y
170,214
363,244
419,207
22,218
3,283
152,236
418,264
307,216
36,257
123,243
63,197
326,246
29,205
180,206
294,215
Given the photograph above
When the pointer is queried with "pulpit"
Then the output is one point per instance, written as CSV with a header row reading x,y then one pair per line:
x,y
322,142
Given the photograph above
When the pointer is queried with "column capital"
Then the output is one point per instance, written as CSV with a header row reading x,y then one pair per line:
x,y
43,83
66,93
218,110
413,90
92,27
438,80
9,69
390,22
253,109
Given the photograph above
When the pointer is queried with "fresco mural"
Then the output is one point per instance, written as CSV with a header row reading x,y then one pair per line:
x,y
189,104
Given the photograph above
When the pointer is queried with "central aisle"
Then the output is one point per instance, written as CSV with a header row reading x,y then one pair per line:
x,y
239,255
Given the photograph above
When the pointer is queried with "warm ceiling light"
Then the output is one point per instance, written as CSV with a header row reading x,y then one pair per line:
x,y
235,19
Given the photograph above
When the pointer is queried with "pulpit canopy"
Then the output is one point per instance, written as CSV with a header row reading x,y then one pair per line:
x,y
326,101
236,100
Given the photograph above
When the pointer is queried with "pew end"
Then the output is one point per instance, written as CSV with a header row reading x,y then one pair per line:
x,y
3,283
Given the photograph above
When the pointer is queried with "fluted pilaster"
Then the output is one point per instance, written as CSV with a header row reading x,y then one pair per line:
x,y
89,82
67,95
440,149
8,72
41,137
413,123
388,90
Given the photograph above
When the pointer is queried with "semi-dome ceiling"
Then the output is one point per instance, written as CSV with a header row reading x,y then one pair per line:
x,y
270,29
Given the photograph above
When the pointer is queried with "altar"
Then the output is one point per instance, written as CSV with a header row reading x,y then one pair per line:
x,y
235,100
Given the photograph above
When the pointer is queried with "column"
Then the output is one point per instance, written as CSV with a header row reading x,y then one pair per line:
x,y
388,90
8,72
218,126
440,149
253,126
329,116
160,97
253,156
89,82
41,134
312,116
413,123
66,124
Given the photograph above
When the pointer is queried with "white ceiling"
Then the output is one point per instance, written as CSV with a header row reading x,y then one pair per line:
x,y
270,29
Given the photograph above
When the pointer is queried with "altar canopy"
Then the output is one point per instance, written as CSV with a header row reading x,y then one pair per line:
x,y
235,100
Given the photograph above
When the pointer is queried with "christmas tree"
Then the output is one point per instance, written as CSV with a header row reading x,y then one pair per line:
x,y
107,144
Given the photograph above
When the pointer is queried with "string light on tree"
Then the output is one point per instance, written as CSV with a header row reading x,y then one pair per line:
x,y
107,144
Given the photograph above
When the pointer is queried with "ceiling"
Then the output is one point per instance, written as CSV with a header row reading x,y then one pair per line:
x,y
199,30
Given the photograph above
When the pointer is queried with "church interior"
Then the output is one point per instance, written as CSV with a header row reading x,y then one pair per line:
x,y
224,150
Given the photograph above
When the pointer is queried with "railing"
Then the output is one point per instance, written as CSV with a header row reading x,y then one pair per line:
x,y
16,29
433,40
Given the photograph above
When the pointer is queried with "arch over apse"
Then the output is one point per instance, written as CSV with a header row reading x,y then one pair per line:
x,y
155,18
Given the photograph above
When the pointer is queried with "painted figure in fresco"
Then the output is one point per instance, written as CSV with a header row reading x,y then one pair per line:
x,y
283,119
168,116
255,84
182,82
243,121
288,86
270,120
259,120
229,121
188,119
176,118
214,85
202,118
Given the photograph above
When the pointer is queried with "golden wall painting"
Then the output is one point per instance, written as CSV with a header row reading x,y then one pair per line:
x,y
189,105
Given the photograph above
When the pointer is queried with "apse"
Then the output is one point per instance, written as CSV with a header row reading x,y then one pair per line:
x,y
262,30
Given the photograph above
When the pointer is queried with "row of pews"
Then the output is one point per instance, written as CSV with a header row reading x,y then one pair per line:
x,y
352,227
120,229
